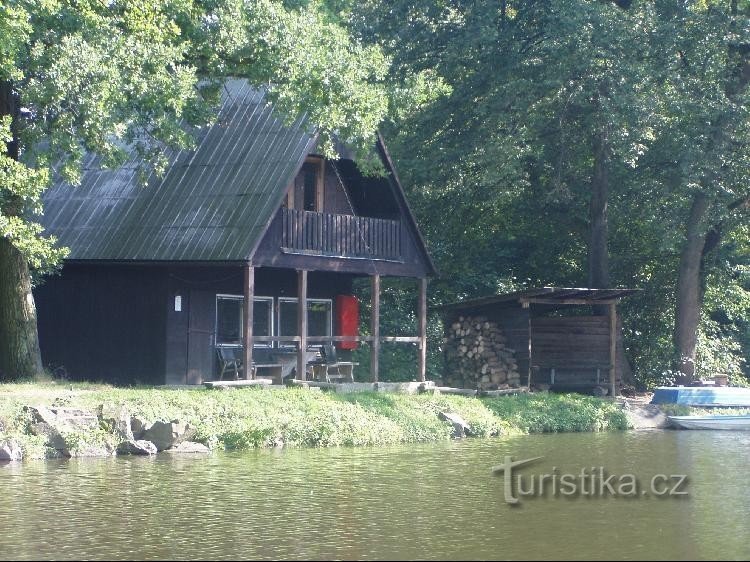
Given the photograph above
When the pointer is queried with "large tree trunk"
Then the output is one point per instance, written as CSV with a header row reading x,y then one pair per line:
x,y
688,306
19,341
598,254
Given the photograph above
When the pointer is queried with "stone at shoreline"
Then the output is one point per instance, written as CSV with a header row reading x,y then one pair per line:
x,y
645,416
189,447
94,450
166,435
54,437
116,418
10,451
54,416
138,426
136,447
460,427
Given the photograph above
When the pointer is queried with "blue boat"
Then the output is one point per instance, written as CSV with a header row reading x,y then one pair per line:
x,y
703,396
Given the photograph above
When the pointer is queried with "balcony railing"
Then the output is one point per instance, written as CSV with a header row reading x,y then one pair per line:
x,y
348,236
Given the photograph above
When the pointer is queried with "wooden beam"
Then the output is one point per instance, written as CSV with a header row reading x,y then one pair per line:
x,y
247,321
302,323
613,350
375,327
528,375
525,302
422,315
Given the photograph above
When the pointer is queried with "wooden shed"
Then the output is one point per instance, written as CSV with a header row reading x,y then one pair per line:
x,y
559,338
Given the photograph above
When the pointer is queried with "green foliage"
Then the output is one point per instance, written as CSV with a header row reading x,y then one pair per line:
x,y
499,163
109,78
253,418
544,413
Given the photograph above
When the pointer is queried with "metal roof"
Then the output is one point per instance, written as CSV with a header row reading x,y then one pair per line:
x,y
213,204
549,295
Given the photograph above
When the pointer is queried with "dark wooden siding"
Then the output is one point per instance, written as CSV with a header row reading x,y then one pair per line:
x,y
575,346
335,198
187,358
104,323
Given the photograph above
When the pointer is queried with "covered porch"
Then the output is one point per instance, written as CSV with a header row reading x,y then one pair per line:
x,y
284,355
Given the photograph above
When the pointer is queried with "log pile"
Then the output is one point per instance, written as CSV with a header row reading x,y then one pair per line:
x,y
477,355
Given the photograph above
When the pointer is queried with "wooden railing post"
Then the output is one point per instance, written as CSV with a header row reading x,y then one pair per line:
x,y
375,328
422,314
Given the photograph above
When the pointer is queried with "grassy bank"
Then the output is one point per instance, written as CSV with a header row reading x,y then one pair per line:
x,y
251,418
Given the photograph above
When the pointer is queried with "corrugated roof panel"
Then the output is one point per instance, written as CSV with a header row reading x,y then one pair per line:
x,y
213,203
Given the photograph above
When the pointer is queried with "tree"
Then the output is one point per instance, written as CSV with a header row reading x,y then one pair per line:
x,y
85,76
706,77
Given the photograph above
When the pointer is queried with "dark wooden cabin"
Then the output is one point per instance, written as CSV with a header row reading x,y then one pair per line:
x,y
250,242
562,339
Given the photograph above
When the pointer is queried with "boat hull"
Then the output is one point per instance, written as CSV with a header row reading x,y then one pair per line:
x,y
706,397
731,423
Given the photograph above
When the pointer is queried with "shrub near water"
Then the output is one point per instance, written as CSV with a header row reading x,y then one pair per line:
x,y
254,418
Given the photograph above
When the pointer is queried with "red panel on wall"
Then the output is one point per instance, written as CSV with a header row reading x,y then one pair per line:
x,y
347,320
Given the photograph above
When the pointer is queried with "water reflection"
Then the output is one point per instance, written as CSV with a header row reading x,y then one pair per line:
x,y
434,501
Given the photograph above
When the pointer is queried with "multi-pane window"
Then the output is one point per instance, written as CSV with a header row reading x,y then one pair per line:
x,y
319,318
229,319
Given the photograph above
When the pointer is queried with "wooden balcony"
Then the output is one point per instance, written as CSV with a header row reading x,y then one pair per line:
x,y
345,236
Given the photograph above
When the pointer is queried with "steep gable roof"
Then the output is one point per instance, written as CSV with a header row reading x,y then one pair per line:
x,y
213,204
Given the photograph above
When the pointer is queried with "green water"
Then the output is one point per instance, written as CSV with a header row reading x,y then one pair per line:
x,y
436,501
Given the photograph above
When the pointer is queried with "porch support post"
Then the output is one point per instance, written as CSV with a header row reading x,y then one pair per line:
x,y
527,306
422,315
613,350
247,321
375,328
302,323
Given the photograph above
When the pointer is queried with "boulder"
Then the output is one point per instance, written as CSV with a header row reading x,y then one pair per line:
x,y
166,435
136,447
138,426
10,451
92,450
116,418
54,437
189,447
460,427
72,418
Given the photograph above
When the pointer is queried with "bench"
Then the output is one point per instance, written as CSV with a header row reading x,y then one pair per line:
x,y
598,373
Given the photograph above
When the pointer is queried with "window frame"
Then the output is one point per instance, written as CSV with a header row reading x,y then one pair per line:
x,y
241,299
295,300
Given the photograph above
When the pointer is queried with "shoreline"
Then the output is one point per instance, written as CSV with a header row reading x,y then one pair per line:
x,y
53,420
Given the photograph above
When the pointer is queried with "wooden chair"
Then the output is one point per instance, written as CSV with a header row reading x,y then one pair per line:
x,y
230,359
330,369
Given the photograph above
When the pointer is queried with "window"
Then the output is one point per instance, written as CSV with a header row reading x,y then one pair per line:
x,y
319,318
229,319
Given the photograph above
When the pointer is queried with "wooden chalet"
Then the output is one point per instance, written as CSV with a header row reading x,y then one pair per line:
x,y
249,243
559,338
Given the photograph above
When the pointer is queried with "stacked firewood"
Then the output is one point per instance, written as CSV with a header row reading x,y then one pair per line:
x,y
477,355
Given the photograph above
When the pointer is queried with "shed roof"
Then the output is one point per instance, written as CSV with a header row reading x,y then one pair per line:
x,y
545,295
213,204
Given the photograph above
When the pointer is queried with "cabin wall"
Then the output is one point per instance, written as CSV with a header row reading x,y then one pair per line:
x,y
575,346
104,323
190,355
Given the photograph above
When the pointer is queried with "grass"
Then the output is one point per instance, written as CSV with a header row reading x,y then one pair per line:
x,y
246,418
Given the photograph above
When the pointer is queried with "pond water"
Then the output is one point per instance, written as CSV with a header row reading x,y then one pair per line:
x,y
436,501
